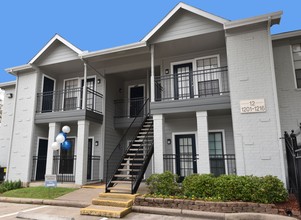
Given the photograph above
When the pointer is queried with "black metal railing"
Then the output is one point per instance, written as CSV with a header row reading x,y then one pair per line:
x,y
293,154
130,108
69,99
64,168
194,84
117,154
222,164
181,164
38,168
93,168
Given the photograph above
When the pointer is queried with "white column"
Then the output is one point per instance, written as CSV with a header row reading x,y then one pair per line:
x,y
54,130
158,143
203,143
152,73
82,152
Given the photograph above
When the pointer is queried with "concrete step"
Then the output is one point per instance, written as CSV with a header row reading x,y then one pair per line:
x,y
128,170
131,164
111,201
105,211
117,195
116,189
145,132
124,175
134,159
122,181
135,154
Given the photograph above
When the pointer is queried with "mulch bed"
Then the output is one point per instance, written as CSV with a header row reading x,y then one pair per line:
x,y
290,207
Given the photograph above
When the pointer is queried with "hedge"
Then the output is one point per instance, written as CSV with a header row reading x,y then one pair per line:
x,y
268,189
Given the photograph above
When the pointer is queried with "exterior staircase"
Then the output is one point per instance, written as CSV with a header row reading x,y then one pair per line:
x,y
129,173
111,205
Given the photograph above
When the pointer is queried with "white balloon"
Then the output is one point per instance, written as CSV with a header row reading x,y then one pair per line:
x,y
66,129
60,138
55,146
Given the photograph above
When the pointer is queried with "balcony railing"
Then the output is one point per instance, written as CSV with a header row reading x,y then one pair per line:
x,y
130,108
69,99
184,165
194,84
64,168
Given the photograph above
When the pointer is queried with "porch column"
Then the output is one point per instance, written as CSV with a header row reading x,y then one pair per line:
x,y
152,73
203,144
82,152
158,143
54,130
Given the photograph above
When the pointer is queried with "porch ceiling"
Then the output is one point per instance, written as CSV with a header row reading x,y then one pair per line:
x,y
194,44
63,68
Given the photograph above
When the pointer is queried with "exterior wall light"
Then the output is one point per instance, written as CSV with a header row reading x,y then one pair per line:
x,y
96,143
9,95
98,81
168,141
166,71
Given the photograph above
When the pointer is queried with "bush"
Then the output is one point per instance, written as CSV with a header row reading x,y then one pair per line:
x,y
10,185
163,184
268,189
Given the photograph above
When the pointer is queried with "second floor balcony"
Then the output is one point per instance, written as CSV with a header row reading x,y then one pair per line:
x,y
204,89
69,105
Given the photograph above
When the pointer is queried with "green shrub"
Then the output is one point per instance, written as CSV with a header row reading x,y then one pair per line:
x,y
10,185
163,184
199,186
268,189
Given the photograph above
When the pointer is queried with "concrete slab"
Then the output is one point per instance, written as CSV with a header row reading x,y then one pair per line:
x,y
82,195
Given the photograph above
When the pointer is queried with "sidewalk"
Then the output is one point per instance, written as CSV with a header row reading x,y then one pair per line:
x,y
82,198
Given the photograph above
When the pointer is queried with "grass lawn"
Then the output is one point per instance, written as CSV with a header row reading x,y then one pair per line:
x,y
39,192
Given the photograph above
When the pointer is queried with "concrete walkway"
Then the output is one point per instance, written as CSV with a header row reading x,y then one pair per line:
x,y
82,198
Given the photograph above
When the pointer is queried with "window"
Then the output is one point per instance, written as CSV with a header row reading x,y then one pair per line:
x,y
71,94
296,49
216,153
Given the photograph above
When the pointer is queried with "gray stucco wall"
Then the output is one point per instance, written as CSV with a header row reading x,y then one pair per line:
x,y
6,125
289,97
258,148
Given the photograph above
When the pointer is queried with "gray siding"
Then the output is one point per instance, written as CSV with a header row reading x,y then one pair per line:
x,y
57,53
289,97
185,24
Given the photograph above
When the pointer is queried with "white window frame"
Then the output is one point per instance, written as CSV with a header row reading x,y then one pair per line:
x,y
293,65
224,144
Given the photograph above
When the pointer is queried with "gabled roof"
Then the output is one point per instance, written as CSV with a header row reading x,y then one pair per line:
x,y
55,38
189,8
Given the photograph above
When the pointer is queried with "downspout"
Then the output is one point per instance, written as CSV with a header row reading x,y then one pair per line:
x,y
276,103
12,130
85,87
152,73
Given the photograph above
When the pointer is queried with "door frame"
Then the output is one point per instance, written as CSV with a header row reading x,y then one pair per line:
x,y
224,143
42,89
37,153
174,134
129,95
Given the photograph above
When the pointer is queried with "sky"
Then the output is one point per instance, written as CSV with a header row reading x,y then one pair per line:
x,y
27,26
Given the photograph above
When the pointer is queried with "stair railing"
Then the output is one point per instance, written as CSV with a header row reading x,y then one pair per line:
x,y
117,155
147,147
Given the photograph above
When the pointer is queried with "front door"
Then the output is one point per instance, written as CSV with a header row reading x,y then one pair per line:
x,y
67,159
48,87
185,155
89,167
136,100
183,83
41,160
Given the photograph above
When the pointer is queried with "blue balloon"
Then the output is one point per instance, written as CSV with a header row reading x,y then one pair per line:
x,y
66,145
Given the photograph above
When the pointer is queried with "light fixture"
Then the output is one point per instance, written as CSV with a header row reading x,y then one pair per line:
x,y
98,81
96,143
166,71
168,141
9,95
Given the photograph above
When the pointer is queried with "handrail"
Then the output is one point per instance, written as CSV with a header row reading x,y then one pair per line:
x,y
108,176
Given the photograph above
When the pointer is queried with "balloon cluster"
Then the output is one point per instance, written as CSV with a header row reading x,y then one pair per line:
x,y
61,139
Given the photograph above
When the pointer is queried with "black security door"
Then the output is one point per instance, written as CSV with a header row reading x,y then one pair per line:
x,y
47,102
89,167
185,155
41,160
136,100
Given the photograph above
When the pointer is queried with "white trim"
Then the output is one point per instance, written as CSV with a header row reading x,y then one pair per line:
x,y
52,40
37,154
7,84
293,65
13,70
195,133
129,94
286,35
275,17
188,8
224,144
